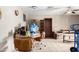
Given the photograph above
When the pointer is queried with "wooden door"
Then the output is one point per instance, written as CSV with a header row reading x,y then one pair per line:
x,y
48,27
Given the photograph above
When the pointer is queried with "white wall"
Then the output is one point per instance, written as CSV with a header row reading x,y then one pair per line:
x,y
59,21
74,19
9,20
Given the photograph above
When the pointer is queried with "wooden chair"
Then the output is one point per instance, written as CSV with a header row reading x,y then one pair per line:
x,y
23,44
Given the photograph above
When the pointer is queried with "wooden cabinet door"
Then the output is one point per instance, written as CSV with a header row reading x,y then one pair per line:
x,y
41,25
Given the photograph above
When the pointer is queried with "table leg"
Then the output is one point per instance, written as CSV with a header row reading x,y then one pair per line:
x,y
63,38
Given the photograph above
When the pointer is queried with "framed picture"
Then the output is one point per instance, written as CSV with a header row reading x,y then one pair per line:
x,y
16,12
24,17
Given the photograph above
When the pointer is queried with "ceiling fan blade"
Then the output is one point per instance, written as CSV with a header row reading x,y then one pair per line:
x,y
68,9
34,7
65,12
76,10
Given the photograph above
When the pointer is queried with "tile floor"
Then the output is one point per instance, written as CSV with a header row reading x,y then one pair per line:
x,y
53,45
48,45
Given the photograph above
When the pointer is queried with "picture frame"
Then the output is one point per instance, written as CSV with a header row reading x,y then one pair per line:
x,y
24,17
16,12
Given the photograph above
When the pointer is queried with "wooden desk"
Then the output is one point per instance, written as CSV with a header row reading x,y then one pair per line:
x,y
37,38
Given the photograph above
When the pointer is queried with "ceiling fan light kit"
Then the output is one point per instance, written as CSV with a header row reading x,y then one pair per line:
x,y
68,12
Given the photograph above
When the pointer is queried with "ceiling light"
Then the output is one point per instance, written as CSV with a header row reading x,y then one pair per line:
x,y
68,12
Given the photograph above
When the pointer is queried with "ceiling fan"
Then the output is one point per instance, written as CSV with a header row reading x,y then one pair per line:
x,y
70,10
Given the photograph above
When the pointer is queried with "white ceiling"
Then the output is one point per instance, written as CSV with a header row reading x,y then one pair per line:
x,y
49,10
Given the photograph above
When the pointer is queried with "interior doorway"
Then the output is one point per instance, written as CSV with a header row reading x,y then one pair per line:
x,y
48,27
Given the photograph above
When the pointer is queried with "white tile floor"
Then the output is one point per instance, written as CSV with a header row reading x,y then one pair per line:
x,y
52,45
